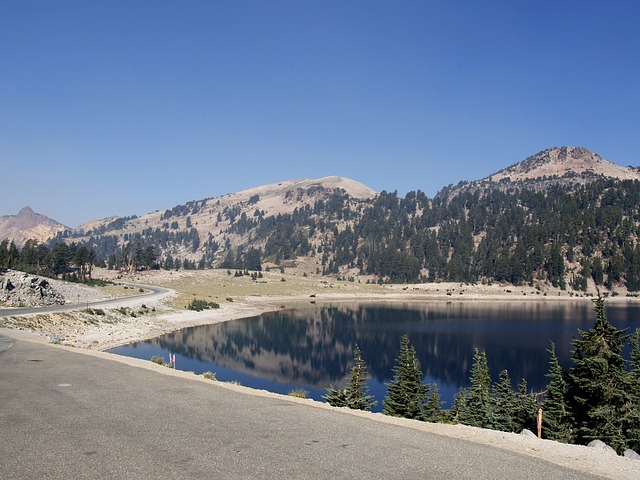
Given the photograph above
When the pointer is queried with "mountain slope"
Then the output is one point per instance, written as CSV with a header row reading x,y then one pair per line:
x,y
207,231
29,225
563,217
563,161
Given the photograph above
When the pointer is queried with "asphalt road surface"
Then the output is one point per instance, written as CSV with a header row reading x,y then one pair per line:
x,y
68,415
153,294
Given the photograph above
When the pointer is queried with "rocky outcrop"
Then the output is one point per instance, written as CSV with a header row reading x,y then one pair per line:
x,y
19,289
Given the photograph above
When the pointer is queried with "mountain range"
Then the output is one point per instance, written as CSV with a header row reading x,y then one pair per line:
x,y
335,225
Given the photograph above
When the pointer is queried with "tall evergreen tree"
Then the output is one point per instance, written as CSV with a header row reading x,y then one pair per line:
x,y
632,424
599,386
556,420
355,395
525,408
460,411
405,393
433,407
479,401
503,404
357,390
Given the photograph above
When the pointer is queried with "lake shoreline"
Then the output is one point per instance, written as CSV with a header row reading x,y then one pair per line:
x,y
242,298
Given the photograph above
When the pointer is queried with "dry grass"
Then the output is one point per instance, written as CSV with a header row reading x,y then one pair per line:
x,y
120,291
222,287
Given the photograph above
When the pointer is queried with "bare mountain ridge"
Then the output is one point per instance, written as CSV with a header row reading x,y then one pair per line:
x,y
212,226
563,161
558,166
212,217
271,200
29,225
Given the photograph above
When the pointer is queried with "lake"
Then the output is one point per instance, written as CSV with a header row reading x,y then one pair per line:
x,y
311,346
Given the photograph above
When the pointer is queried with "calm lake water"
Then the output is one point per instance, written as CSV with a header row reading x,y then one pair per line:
x,y
311,346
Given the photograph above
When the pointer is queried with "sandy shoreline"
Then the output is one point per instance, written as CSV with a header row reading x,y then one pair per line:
x,y
139,318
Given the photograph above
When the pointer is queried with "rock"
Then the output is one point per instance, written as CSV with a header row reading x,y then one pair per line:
x,y
628,453
600,446
18,289
528,434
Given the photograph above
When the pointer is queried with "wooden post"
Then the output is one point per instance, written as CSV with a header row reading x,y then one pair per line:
x,y
539,423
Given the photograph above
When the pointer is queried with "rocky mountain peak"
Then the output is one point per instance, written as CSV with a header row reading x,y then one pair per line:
x,y
26,213
27,225
563,161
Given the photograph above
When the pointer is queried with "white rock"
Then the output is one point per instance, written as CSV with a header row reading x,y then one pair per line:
x,y
600,446
628,453
528,434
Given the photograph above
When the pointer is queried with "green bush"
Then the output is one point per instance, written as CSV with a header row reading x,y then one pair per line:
x,y
209,375
199,305
158,360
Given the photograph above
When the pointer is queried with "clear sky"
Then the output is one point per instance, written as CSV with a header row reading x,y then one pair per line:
x,y
112,107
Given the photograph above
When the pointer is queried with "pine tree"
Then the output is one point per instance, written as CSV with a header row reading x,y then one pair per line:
x,y
336,397
503,404
433,408
632,423
556,420
405,393
525,408
459,413
479,401
355,394
599,386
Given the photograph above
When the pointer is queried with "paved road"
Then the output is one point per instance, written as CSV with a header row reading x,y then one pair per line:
x,y
67,415
154,294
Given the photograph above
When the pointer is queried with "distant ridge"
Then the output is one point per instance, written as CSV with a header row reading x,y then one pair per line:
x,y
215,218
562,161
28,224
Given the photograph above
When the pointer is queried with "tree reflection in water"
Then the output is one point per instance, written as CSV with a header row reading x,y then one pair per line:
x,y
311,346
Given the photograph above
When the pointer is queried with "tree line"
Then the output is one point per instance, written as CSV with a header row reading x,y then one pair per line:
x,y
72,261
598,397
568,236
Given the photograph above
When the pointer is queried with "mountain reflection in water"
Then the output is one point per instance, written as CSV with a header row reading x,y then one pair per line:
x,y
311,346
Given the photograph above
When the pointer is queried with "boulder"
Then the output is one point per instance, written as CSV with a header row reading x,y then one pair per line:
x,y
528,434
628,453
600,446
18,289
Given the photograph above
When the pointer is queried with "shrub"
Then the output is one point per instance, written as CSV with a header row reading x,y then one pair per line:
x,y
199,305
157,359
209,375
298,393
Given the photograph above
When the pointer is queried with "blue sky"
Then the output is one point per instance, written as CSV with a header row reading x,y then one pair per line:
x,y
125,107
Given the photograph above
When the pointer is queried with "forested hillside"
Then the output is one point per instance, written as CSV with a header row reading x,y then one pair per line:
x,y
576,229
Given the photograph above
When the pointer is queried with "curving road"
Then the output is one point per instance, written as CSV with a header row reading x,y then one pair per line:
x,y
68,414
156,293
